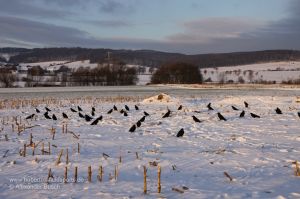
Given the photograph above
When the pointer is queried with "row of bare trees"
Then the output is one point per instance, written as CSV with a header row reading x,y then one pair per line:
x,y
112,75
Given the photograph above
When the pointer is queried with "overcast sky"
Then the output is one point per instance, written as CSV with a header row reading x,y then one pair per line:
x,y
186,26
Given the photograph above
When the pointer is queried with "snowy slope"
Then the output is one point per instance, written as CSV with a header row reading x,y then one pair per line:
x,y
55,65
257,153
278,71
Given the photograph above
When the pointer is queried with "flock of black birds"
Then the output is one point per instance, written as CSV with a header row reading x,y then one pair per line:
x,y
221,117
138,124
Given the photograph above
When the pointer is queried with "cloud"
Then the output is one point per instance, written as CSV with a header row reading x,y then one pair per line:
x,y
208,29
30,8
110,23
104,6
29,31
20,31
118,6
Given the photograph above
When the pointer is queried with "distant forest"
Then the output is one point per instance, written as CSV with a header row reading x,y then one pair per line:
x,y
149,57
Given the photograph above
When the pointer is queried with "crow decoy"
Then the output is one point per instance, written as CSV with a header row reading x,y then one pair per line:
x,y
80,115
180,133
65,116
209,107
132,129
30,116
47,116
115,108
234,108
196,119
254,115
139,123
221,117
87,118
242,114
278,111
167,114
54,117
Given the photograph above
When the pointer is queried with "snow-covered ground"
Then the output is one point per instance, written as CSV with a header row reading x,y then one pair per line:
x,y
258,153
277,71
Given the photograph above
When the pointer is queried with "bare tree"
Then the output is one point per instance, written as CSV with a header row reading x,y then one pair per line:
x,y
222,78
7,78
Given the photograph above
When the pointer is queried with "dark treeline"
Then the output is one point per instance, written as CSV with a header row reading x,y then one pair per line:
x,y
152,58
177,73
113,75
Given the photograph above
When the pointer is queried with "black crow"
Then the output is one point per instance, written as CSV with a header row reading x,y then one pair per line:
x,y
115,108
278,111
122,111
65,116
126,107
136,107
234,108
209,107
254,115
242,114
30,116
246,104
110,111
105,155
47,116
80,115
180,133
54,117
132,129
79,108
73,110
146,114
95,122
180,107
125,114
88,118
143,119
167,114
37,110
93,113
196,119
139,123
221,117
47,109
93,109
298,114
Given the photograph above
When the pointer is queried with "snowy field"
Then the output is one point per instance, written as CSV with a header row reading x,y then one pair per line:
x,y
257,154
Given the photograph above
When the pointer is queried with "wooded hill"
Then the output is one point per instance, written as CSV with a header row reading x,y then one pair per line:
x,y
149,57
